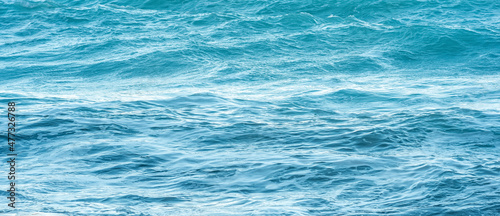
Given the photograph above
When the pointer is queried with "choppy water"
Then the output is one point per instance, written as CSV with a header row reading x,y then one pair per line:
x,y
254,107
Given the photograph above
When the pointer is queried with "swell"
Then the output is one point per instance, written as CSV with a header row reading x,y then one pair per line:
x,y
342,42
254,108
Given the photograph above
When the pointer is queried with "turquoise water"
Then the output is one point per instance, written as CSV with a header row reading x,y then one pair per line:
x,y
253,107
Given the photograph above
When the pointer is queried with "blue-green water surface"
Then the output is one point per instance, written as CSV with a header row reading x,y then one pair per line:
x,y
261,107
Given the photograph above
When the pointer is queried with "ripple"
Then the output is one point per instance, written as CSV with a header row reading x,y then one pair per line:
x,y
254,108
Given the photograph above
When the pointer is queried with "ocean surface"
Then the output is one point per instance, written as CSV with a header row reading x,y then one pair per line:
x,y
265,107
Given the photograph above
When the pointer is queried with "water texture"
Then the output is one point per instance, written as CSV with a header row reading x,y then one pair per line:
x,y
261,107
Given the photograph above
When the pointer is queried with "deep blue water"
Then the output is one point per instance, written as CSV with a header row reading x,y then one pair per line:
x,y
261,107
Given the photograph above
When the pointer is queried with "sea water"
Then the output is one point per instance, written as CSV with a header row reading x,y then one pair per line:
x,y
261,107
